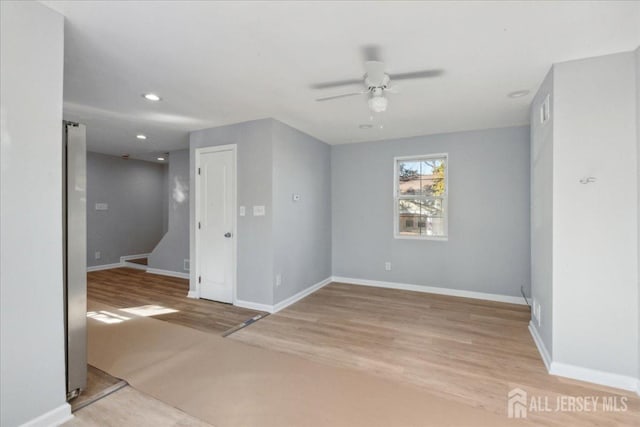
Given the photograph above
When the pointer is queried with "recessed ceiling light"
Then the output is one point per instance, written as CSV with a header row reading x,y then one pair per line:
x,y
151,97
518,94
161,158
141,136
365,126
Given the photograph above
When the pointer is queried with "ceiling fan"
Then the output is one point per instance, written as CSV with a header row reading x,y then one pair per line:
x,y
376,82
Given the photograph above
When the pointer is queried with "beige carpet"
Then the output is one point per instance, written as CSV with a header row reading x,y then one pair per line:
x,y
227,383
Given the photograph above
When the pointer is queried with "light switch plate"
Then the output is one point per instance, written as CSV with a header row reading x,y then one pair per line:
x,y
243,211
296,197
258,211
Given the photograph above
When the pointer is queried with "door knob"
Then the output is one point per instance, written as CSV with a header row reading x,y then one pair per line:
x,y
227,235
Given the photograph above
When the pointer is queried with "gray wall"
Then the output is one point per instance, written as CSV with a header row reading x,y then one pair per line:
x,y
488,246
542,213
595,272
173,249
301,229
165,198
134,191
637,53
31,311
254,174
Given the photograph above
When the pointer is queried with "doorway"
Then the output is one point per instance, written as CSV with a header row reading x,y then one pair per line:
x,y
215,234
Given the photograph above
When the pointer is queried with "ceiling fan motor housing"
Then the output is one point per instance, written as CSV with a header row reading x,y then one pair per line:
x,y
382,84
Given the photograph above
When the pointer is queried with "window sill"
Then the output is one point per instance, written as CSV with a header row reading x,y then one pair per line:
x,y
436,238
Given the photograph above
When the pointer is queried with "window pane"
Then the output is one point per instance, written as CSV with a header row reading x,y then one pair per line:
x,y
421,217
421,177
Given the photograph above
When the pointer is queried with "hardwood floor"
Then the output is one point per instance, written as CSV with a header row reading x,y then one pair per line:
x,y
128,287
467,350
99,384
130,408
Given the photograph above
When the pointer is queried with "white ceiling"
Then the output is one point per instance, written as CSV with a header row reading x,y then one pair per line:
x,y
217,63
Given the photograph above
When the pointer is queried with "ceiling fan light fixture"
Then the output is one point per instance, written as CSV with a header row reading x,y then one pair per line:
x,y
378,104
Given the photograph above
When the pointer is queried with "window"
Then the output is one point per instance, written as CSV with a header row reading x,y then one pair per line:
x,y
420,197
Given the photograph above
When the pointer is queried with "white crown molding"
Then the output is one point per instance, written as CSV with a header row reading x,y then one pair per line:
x,y
55,417
431,290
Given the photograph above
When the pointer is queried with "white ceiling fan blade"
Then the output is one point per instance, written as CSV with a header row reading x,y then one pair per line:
x,y
375,72
424,74
344,95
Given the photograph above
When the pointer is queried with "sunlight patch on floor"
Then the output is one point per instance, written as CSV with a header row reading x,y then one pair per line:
x,y
149,310
106,316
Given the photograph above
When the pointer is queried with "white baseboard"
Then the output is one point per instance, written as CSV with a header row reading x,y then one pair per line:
x,y
168,273
193,294
285,303
542,349
104,267
125,258
54,417
594,376
254,306
120,264
432,290
297,297
128,257
582,374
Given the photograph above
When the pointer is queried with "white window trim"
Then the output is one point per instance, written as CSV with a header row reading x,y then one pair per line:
x,y
396,222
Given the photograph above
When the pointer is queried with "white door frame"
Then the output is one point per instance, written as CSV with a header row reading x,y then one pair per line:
x,y
234,198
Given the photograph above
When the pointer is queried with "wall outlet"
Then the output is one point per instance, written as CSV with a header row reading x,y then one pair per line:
x,y
295,197
539,314
102,206
545,109
98,255
278,280
187,264
387,266
258,211
535,311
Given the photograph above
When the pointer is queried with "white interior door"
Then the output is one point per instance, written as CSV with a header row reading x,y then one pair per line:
x,y
216,269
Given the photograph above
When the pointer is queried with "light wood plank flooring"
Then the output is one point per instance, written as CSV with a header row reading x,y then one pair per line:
x,y
98,384
128,287
130,408
467,350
